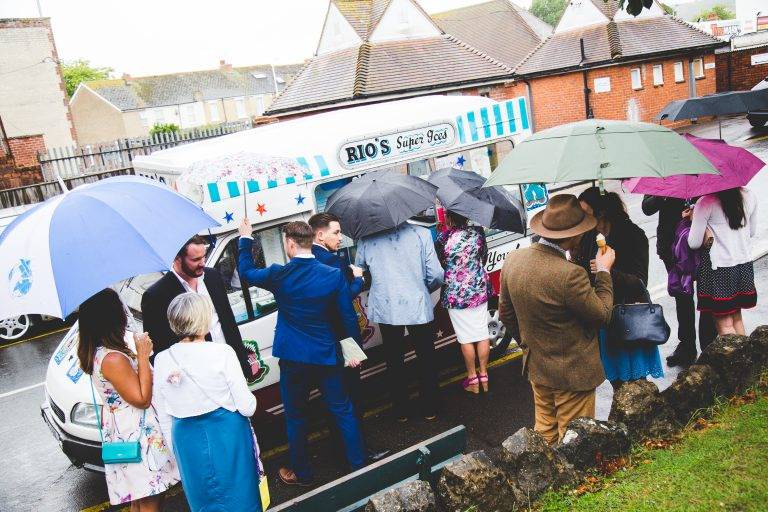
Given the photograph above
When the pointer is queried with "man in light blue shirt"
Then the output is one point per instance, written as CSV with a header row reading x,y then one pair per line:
x,y
404,271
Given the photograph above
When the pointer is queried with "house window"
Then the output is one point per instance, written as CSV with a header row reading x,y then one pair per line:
x,y
259,105
213,111
159,115
637,79
679,76
240,108
146,118
698,68
189,115
658,75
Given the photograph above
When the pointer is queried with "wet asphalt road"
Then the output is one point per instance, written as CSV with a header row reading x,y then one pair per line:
x,y
36,476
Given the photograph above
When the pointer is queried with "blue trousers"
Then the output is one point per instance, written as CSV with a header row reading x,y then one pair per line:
x,y
296,382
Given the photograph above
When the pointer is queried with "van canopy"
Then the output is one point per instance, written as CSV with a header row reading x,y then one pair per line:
x,y
344,141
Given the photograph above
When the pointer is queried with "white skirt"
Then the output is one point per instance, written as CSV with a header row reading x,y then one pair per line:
x,y
470,324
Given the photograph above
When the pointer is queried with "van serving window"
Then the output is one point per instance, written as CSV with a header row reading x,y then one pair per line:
x,y
267,249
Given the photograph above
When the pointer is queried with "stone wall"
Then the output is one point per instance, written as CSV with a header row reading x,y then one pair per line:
x,y
527,467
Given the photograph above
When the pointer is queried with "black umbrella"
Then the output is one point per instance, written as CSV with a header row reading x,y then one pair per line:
x,y
719,104
493,207
379,201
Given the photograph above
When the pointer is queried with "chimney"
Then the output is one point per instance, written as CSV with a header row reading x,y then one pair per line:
x,y
224,66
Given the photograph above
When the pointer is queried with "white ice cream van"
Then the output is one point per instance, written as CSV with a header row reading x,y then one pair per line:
x,y
310,158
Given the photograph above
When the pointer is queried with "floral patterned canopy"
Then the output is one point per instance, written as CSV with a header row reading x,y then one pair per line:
x,y
242,166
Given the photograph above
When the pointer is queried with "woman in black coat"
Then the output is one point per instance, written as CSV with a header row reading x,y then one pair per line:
x,y
630,277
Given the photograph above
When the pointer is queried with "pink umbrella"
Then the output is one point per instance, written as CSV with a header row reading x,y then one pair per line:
x,y
736,166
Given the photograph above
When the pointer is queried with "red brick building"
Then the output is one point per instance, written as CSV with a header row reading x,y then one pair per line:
x,y
599,61
744,63
379,50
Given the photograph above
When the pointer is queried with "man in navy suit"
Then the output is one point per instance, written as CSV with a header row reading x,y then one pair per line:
x,y
310,297
327,229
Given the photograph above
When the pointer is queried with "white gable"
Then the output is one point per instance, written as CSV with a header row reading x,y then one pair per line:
x,y
580,13
337,33
652,12
402,20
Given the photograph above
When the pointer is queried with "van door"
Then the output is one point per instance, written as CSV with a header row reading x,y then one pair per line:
x,y
255,309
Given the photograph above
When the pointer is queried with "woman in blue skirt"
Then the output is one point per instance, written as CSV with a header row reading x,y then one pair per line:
x,y
206,406
621,363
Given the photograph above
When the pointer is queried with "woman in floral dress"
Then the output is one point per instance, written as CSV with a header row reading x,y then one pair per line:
x,y
462,251
123,380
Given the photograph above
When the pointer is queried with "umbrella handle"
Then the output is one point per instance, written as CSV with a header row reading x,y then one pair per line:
x,y
245,200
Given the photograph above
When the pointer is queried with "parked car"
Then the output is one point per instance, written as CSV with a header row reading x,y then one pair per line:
x,y
760,117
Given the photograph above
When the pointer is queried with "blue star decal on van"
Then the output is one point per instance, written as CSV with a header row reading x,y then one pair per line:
x,y
229,217
300,199
461,161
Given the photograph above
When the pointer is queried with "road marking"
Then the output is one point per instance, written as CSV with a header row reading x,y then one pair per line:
x,y
21,390
33,338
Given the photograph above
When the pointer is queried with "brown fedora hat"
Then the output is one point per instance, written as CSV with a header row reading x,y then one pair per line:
x,y
562,218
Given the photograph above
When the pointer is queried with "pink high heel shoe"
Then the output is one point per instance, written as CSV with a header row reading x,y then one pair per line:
x,y
471,385
483,382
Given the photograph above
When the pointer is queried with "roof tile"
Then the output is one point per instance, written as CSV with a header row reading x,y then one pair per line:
x,y
497,28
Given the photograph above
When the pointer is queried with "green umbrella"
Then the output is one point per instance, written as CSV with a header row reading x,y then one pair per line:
x,y
598,149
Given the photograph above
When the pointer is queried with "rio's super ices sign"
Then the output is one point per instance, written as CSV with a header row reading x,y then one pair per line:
x,y
396,146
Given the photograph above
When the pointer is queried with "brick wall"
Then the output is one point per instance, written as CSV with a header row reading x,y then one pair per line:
x,y
24,149
13,177
735,71
32,92
560,99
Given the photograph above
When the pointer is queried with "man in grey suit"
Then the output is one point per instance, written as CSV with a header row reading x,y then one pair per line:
x,y
404,271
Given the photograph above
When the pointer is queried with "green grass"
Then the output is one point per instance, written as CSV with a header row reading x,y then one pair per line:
x,y
724,468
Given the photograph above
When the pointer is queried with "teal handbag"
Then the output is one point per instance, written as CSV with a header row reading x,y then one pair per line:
x,y
119,452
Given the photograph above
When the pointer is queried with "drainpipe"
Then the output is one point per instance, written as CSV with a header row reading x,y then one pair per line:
x,y
587,106
529,94
691,79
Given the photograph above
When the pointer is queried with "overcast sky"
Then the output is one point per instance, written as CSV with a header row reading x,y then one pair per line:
x,y
145,37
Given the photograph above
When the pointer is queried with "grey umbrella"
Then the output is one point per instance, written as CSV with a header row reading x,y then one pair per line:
x,y
719,104
379,201
493,207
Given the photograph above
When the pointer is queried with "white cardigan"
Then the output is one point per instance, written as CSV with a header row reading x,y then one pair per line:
x,y
214,367
732,246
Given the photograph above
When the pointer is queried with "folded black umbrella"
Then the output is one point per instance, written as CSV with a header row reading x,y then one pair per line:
x,y
379,201
492,207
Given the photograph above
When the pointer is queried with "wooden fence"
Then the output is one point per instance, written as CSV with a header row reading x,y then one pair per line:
x,y
74,162
86,164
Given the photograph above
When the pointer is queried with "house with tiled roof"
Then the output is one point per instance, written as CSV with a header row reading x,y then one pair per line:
x,y
499,28
377,50
105,110
602,62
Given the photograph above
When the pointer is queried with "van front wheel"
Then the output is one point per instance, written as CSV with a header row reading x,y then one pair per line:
x,y
498,335
14,328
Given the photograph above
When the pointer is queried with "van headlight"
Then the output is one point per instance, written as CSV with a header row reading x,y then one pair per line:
x,y
84,415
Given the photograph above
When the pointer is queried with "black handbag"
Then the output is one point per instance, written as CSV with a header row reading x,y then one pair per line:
x,y
638,324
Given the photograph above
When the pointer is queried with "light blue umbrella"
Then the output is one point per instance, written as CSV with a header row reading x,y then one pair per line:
x,y
59,253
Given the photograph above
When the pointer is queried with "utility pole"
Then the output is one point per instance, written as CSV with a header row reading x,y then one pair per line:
x,y
39,10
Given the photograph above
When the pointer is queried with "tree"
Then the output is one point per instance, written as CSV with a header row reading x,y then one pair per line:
x,y
164,128
718,12
668,10
548,10
80,70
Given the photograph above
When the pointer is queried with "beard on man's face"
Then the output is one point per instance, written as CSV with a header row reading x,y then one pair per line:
x,y
192,271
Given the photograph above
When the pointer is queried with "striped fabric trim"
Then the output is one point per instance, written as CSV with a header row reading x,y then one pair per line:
x,y
507,118
314,168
